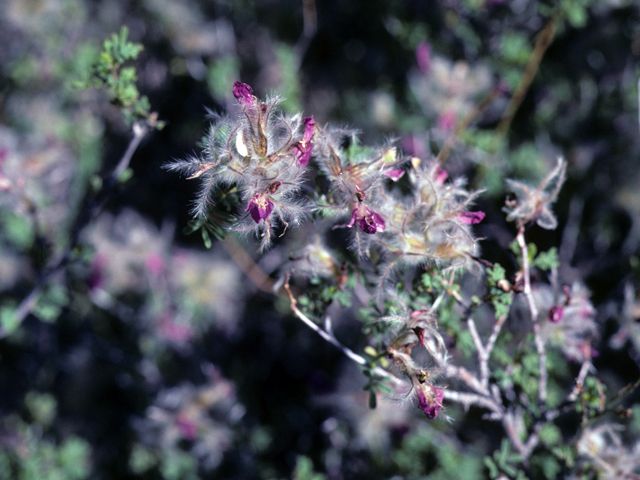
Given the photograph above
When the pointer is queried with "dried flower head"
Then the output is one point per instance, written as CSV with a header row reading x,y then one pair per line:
x,y
604,448
433,224
568,322
533,205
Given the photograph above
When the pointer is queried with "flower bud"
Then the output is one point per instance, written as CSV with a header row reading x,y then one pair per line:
x,y
243,93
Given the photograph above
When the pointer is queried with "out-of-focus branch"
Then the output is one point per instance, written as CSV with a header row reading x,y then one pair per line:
x,y
465,122
140,129
542,44
88,212
466,399
253,272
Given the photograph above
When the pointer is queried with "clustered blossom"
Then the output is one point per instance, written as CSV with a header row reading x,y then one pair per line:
x,y
433,225
261,153
604,449
408,209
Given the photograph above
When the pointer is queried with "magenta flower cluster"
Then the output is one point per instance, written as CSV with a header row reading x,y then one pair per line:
x,y
265,156
286,170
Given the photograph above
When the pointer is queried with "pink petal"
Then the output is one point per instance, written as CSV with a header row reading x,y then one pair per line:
x,y
471,218
154,264
441,175
395,175
309,127
447,120
370,222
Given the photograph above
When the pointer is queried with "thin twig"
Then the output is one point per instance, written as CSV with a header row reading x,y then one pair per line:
x,y
140,129
584,370
571,231
509,425
544,40
497,328
465,376
533,309
330,338
483,358
467,399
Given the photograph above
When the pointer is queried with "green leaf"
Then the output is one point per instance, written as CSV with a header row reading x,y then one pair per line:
x,y
373,402
51,302
550,434
9,321
206,238
304,470
515,47
73,457
17,230
42,407
141,460
493,468
547,260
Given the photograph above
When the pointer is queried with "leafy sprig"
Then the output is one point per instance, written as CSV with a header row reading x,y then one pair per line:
x,y
119,81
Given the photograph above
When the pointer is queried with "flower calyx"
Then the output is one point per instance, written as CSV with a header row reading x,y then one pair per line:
x,y
260,206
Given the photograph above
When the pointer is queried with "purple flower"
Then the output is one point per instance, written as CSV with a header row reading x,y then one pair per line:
x,y
259,207
423,57
430,402
369,221
243,93
556,313
471,218
395,175
302,149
